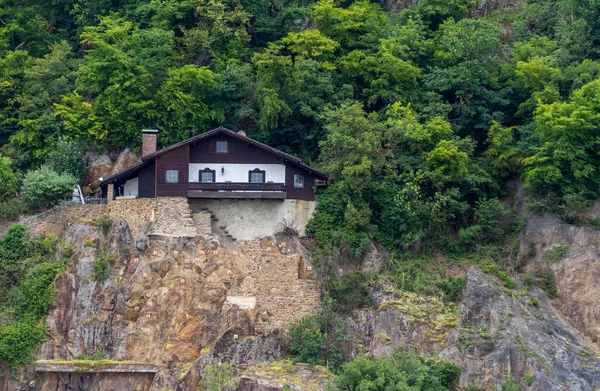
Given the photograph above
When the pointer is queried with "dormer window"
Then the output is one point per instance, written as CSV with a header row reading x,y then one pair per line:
x,y
222,147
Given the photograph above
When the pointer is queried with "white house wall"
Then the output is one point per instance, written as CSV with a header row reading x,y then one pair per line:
x,y
249,219
130,189
238,172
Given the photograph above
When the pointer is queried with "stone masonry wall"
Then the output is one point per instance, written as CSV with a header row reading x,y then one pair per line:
x,y
203,223
174,217
272,285
136,211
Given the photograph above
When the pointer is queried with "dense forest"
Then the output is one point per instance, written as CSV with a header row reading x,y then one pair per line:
x,y
423,113
420,113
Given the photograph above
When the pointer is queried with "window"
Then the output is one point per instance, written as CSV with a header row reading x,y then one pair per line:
x,y
207,175
298,180
172,176
221,146
256,176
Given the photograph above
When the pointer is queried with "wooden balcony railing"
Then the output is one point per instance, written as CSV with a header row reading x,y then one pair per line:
x,y
236,186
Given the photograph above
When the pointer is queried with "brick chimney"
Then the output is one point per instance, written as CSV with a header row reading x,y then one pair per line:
x,y
148,141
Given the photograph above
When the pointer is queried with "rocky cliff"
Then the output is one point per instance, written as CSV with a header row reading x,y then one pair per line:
x,y
495,333
168,301
173,304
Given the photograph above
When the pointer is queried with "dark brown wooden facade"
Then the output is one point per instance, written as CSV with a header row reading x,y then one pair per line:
x,y
176,159
152,172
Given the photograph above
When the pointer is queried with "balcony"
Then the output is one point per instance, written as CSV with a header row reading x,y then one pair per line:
x,y
236,190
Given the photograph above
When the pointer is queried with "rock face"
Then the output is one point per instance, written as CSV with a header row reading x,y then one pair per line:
x,y
283,375
498,333
166,302
485,7
577,275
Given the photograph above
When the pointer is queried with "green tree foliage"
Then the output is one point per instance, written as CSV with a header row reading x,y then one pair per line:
x,y
319,339
28,270
217,376
8,180
45,188
404,371
68,157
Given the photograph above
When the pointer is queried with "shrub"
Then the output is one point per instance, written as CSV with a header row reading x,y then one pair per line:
x,y
68,157
19,341
9,181
349,292
493,221
45,188
545,280
534,302
510,385
452,288
404,371
102,268
217,376
501,274
104,223
28,270
556,253
11,210
319,339
96,356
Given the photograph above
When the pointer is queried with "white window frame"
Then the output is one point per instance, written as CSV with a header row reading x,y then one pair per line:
x,y
221,142
169,179
297,184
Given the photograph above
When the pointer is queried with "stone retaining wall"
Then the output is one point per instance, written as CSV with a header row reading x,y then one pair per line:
x,y
273,281
136,211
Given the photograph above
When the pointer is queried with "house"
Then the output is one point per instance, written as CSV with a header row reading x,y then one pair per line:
x,y
222,171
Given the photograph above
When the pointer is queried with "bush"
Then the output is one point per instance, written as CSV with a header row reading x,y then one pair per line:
x,y
492,222
348,292
545,280
501,274
556,253
404,371
68,157
11,210
104,223
102,268
452,289
45,188
28,270
319,339
217,376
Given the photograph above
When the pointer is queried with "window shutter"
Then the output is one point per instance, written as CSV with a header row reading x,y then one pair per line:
x,y
161,175
212,147
230,147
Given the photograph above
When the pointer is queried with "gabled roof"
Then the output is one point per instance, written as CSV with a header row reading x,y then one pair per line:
x,y
220,130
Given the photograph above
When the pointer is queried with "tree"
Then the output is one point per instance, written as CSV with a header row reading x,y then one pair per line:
x,y
8,180
68,157
403,372
566,162
467,73
46,82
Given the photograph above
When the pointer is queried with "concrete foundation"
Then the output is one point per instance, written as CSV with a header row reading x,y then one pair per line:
x,y
249,219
